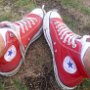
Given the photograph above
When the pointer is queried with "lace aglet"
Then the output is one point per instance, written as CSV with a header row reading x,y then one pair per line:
x,y
43,6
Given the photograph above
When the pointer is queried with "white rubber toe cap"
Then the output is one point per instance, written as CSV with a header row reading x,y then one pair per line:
x,y
54,14
39,12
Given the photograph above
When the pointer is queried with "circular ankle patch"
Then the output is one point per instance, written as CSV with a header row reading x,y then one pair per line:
x,y
10,54
69,65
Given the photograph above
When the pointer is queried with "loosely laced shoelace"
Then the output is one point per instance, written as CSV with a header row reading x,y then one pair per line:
x,y
66,34
16,31
26,23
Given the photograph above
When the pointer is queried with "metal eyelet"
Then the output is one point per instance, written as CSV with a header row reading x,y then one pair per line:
x,y
74,46
68,43
11,35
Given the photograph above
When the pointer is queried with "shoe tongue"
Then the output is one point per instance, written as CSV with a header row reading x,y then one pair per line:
x,y
2,45
85,40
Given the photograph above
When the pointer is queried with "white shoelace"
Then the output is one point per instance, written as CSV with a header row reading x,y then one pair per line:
x,y
66,34
26,23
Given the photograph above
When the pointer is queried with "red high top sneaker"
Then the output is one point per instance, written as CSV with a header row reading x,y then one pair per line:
x,y
15,38
68,50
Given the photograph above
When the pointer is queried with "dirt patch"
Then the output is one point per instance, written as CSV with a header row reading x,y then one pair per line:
x,y
45,81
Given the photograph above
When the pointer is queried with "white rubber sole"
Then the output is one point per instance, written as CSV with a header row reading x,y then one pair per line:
x,y
11,73
47,35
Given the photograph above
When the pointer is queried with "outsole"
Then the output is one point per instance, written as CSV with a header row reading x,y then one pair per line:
x,y
47,35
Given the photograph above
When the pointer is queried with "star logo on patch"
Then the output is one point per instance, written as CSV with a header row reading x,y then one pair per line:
x,y
69,65
10,54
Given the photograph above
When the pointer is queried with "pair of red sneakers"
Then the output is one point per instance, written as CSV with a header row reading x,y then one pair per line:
x,y
68,49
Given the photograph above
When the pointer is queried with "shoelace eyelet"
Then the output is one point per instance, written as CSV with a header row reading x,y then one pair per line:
x,y
26,22
66,35
68,43
11,35
74,46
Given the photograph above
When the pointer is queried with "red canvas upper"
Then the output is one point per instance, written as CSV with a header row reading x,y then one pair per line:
x,y
27,28
33,27
67,55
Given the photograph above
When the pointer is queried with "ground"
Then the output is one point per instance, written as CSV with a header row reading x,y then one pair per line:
x,y
37,73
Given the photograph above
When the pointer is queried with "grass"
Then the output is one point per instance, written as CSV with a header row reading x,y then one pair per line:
x,y
70,3
28,4
76,5
86,83
85,10
2,87
12,13
71,23
84,86
19,85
